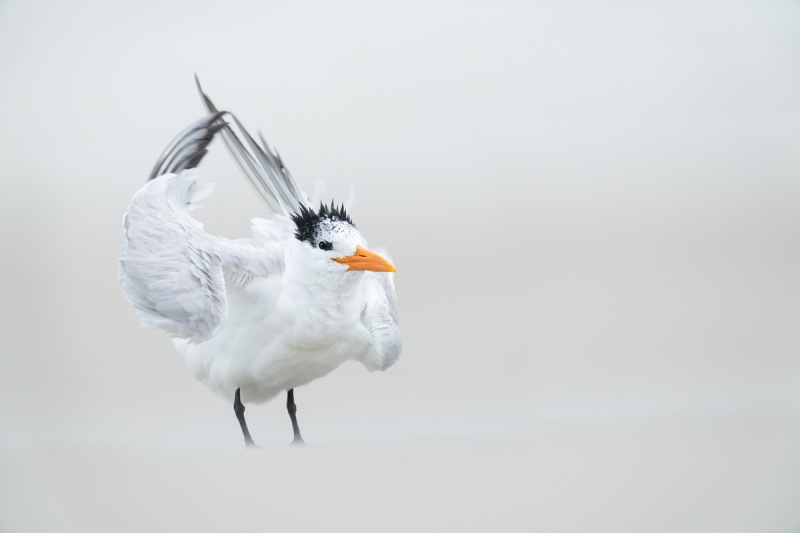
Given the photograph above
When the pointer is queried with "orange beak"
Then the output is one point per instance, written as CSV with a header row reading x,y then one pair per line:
x,y
363,259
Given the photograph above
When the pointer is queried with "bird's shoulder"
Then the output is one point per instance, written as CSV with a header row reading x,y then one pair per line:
x,y
278,228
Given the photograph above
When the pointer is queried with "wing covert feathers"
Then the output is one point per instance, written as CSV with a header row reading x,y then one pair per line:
x,y
166,271
172,271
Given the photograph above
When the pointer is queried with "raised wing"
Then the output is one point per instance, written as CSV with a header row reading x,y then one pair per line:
x,y
261,165
170,269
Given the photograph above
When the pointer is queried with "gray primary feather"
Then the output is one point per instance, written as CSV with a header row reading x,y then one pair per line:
x,y
189,147
262,166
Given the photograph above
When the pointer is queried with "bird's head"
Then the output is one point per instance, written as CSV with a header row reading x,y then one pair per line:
x,y
329,231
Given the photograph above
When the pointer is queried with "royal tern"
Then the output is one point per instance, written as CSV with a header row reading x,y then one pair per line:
x,y
258,316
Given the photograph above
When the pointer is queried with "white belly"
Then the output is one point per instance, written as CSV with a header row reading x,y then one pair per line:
x,y
268,345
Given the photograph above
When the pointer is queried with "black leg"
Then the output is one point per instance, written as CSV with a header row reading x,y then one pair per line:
x,y
238,408
292,408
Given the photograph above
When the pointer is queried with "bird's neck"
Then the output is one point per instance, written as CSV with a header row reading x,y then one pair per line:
x,y
322,283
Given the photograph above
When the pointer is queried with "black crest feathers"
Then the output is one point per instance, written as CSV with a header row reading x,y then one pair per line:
x,y
307,220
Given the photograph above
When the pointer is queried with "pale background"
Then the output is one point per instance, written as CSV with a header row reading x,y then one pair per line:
x,y
593,207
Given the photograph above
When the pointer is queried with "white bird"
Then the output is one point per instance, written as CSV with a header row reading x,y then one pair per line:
x,y
258,316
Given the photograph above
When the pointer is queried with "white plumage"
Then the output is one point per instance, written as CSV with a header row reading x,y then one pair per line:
x,y
255,317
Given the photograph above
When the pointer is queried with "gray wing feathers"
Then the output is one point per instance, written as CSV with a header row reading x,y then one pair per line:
x,y
166,271
172,271
189,147
262,166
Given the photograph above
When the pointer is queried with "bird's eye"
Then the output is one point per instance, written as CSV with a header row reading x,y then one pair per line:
x,y
325,245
